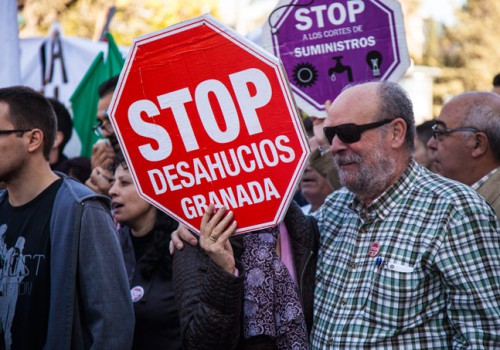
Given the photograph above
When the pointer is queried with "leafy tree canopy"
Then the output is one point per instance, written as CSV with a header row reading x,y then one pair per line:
x,y
132,18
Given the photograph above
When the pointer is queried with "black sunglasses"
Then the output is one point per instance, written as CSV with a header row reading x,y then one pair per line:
x,y
350,133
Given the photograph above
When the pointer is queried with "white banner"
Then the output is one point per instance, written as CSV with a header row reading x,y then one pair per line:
x,y
55,65
10,72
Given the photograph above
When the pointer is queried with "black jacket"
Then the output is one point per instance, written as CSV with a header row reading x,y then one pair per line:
x,y
206,292
304,236
157,321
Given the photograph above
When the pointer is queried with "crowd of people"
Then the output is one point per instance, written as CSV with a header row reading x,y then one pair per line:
x,y
397,245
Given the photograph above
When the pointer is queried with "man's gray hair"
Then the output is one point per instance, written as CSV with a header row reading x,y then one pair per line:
x,y
484,115
395,103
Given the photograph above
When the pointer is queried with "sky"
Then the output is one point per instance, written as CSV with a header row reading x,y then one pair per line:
x,y
441,10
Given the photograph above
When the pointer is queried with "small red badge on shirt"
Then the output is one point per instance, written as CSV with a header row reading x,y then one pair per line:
x,y
374,249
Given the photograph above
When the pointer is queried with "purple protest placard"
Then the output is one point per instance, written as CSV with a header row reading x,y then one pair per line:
x,y
326,45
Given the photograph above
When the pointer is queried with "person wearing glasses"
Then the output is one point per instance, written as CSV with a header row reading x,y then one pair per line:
x,y
407,259
466,143
74,290
104,150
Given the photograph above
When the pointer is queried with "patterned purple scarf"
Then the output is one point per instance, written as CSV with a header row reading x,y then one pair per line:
x,y
272,305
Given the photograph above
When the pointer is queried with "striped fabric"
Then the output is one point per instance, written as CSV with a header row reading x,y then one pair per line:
x,y
432,283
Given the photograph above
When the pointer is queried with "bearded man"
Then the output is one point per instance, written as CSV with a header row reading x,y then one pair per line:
x,y
407,259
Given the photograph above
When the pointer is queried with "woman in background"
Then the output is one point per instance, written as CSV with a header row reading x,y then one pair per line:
x,y
144,238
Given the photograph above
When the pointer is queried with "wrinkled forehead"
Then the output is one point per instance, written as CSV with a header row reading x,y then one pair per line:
x,y
358,104
122,171
452,114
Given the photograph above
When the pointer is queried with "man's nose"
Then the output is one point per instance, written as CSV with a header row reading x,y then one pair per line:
x,y
337,145
432,143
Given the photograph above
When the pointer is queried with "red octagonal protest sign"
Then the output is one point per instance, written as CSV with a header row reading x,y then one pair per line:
x,y
205,116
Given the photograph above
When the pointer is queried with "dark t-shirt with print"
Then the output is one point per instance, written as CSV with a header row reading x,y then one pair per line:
x,y
25,269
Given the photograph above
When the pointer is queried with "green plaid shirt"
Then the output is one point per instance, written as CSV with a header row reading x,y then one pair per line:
x,y
485,178
436,283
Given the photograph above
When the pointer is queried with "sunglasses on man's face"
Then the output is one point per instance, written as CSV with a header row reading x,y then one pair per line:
x,y
350,133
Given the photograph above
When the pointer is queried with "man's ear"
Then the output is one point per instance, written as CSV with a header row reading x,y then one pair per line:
x,y
398,132
35,140
481,144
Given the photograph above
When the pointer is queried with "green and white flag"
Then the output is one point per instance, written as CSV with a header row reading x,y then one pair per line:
x,y
85,97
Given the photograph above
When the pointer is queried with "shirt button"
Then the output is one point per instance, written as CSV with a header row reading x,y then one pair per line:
x,y
352,265
343,302
330,341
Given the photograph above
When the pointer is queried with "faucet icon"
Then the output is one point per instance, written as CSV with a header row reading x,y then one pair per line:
x,y
340,68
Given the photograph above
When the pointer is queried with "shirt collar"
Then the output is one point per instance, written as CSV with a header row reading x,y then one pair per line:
x,y
382,206
485,178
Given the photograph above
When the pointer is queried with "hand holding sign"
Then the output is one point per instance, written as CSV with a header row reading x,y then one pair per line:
x,y
216,228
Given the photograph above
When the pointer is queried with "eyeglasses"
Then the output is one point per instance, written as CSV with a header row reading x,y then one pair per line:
x,y
7,132
350,133
101,124
438,133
